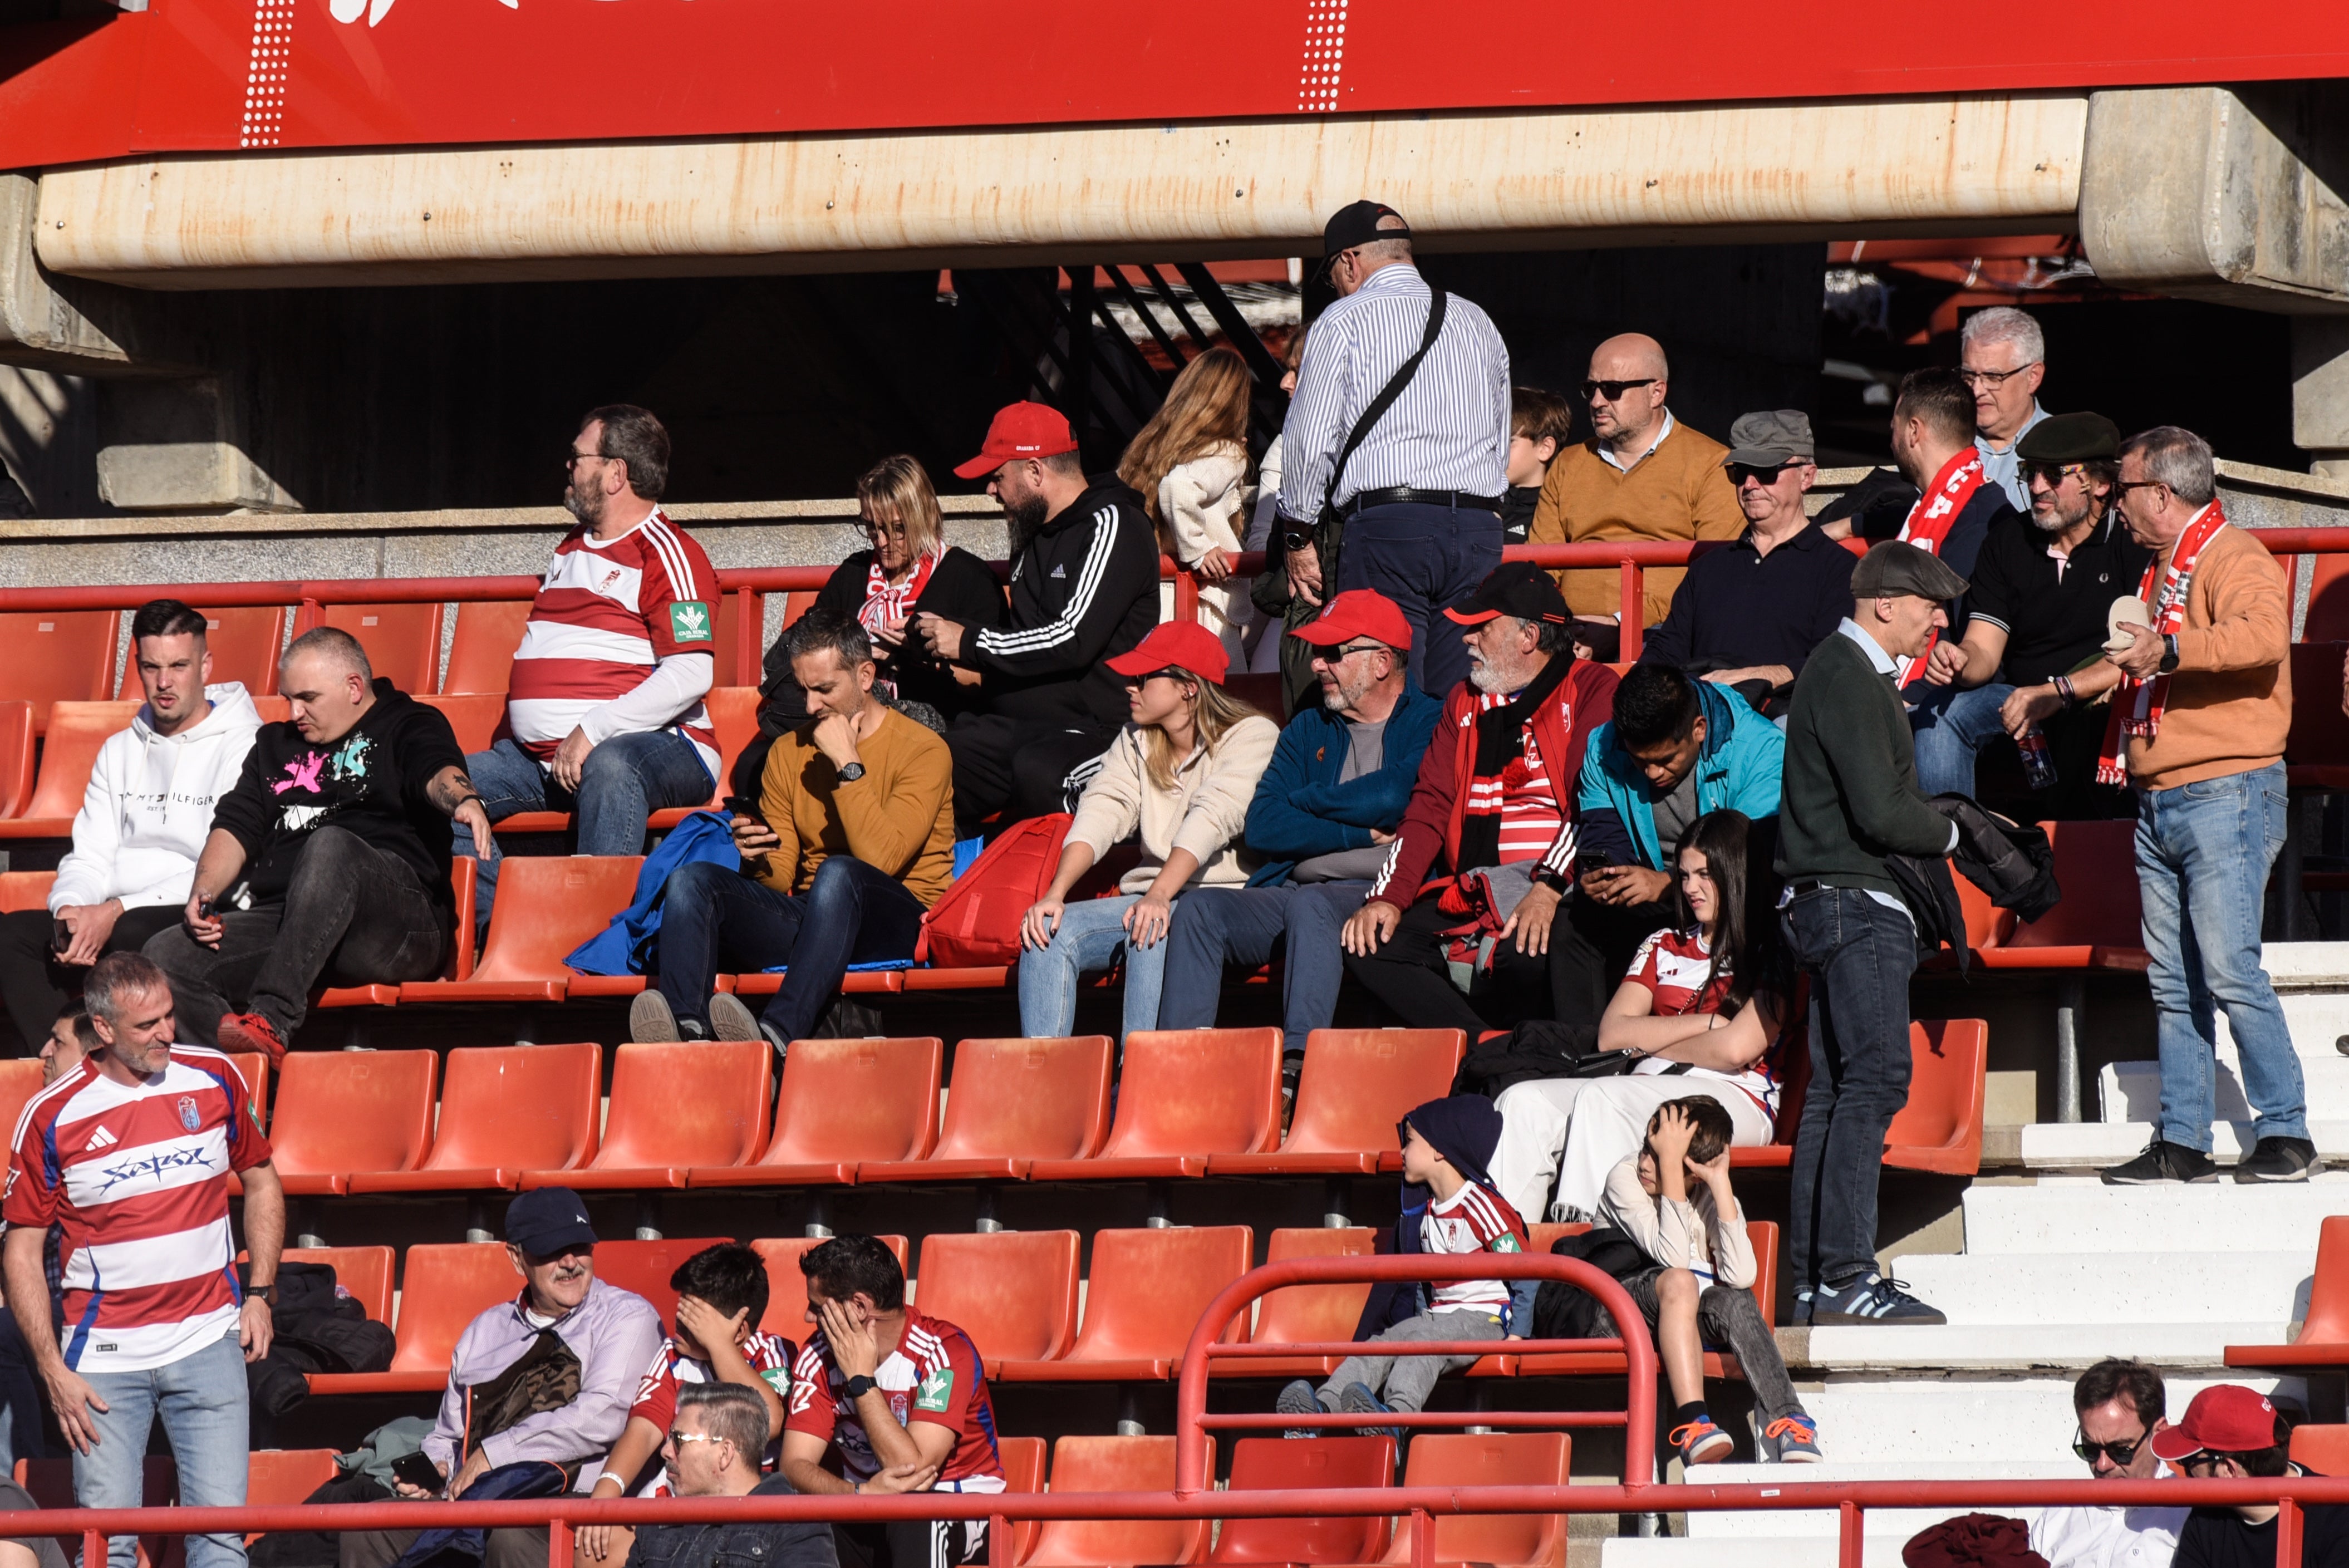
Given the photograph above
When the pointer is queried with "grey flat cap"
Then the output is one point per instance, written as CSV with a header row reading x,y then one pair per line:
x,y
1896,567
1770,438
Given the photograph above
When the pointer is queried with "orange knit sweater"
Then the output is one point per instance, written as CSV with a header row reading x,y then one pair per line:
x,y
1678,491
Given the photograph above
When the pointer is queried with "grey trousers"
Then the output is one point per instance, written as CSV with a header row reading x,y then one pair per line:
x,y
1407,1378
524,1548
1727,1316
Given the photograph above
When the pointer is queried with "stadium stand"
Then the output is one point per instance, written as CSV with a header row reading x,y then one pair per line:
x,y
1278,1464
843,1101
1014,1102
402,641
1357,1086
1013,1292
504,1110
340,1112
1143,1296
68,752
1306,1314
1185,1095
58,656
1501,1540
675,1107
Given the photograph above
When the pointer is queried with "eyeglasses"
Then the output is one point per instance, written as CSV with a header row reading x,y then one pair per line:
x,y
572,460
2054,473
894,530
1993,379
1740,472
2120,1453
2136,484
1170,673
1613,390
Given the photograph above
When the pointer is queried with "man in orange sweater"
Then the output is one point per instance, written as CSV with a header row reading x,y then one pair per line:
x,y
2198,721
1642,475
856,844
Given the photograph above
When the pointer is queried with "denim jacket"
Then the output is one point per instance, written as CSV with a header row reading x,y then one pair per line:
x,y
773,1544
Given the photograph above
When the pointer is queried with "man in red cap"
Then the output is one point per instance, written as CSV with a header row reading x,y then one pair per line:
x,y
1482,949
1323,819
1084,587
2233,1433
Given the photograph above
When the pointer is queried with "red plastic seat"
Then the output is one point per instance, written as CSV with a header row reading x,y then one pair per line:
x,y
364,1272
1940,1128
2323,1339
503,1111
16,751
787,1287
1115,1464
1013,1292
1012,1103
474,716
1306,1314
51,1484
734,717
443,1287
402,641
1023,1471
281,1477
675,1107
843,1101
1762,1234
2097,923
1297,1464
482,650
26,890
344,1111
1145,1295
645,1267
254,1067
20,1081
547,905
57,657
1357,1085
2324,1449
1489,1540
68,754
244,643
1185,1096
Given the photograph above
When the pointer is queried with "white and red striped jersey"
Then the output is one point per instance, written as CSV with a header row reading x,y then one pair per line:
x,y
932,1376
137,1176
770,1356
1677,971
1473,1220
1531,826
608,611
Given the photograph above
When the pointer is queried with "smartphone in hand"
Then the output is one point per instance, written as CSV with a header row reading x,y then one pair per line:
x,y
417,1470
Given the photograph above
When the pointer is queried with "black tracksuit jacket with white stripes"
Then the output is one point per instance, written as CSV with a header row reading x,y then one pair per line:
x,y
1085,589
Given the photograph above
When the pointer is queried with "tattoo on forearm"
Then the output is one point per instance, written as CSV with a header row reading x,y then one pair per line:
x,y
451,790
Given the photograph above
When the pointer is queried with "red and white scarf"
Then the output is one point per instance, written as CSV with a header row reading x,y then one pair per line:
x,y
1929,524
887,602
2138,705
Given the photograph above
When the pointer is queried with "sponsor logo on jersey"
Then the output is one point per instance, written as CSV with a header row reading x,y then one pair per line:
x,y
936,1391
689,621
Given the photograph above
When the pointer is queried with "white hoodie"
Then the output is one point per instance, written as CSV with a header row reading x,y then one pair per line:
x,y
148,807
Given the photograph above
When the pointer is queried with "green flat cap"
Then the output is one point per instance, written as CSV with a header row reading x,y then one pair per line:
x,y
1770,438
2070,438
1896,567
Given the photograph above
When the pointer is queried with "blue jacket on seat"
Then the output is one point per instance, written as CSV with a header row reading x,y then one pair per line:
x,y
1737,769
1301,810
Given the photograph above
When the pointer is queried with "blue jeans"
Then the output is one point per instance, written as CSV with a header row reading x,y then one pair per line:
x,y
1214,927
20,1400
715,920
2203,850
201,1399
624,781
1859,954
1089,940
1950,733
1424,558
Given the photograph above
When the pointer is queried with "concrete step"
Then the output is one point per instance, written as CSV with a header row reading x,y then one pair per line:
x,y
2307,966
2063,1213
1767,1525
1781,1552
2018,1350
2131,1091
2101,1288
2090,1146
1967,1422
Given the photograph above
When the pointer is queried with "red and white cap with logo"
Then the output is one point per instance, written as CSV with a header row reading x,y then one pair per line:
x,y
2225,1418
1021,430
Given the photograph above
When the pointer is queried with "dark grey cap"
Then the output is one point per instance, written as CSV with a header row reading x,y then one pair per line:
x,y
1772,437
1896,567
2078,438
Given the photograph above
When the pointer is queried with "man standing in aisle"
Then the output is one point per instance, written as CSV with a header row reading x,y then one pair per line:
x,y
1417,490
2203,706
1850,799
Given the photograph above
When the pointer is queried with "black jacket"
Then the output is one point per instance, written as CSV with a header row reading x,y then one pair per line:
x,y
370,783
803,1544
963,588
1083,590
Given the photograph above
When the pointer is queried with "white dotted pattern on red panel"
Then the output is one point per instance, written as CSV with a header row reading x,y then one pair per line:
x,y
1325,56
265,73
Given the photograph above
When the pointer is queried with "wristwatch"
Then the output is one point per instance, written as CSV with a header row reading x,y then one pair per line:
x,y
2168,652
856,1388
1290,538
852,773
267,1292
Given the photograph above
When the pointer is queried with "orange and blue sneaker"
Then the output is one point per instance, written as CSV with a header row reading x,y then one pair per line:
x,y
1701,1442
1795,1439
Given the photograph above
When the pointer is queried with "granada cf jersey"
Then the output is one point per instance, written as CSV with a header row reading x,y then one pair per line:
x,y
933,1377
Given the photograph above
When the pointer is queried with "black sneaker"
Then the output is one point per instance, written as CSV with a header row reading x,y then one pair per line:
x,y
1871,1299
2162,1163
1291,1069
2280,1159
1297,1398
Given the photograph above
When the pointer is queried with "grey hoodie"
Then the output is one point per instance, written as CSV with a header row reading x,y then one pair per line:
x,y
615,1333
148,808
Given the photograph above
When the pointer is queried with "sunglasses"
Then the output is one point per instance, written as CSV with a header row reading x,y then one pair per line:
x,y
1740,472
2054,473
1613,390
1338,655
2120,1453
681,1439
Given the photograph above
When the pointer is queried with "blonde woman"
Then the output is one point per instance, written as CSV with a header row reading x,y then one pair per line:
x,y
1190,464
1181,775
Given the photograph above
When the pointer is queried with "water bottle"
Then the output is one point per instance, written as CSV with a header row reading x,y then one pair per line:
x,y
2038,764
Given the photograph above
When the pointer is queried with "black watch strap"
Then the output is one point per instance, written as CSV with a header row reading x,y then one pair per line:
x,y
856,1388
852,773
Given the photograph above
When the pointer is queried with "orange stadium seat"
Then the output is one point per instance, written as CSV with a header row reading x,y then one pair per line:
x,y
1144,1295
1306,1314
1013,1292
506,1109
20,1081
2096,925
474,716
482,650
843,1101
1115,1464
244,643
254,1067
2323,1339
402,641
787,1287
798,602
344,1111
443,1286
2324,1449
1940,1128
1185,1095
547,905
734,716
1489,1540
1012,1102
1356,1086
26,890
726,637
279,1478
57,657
1023,1471
16,751
68,754
363,1271
645,1266
675,1107
1283,1464
51,1484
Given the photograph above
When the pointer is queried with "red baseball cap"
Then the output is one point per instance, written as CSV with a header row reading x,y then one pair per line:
x,y
2227,1418
1176,645
1021,430
1357,612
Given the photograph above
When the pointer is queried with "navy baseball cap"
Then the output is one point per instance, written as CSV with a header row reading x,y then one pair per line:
x,y
544,1221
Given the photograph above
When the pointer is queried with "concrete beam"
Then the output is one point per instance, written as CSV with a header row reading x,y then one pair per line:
x,y
1003,197
179,446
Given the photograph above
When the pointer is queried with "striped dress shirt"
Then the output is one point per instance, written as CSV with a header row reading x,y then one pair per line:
x,y
1448,431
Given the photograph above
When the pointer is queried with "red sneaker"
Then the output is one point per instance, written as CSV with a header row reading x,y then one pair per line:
x,y
246,1033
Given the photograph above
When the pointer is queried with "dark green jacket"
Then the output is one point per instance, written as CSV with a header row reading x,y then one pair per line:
x,y
1850,793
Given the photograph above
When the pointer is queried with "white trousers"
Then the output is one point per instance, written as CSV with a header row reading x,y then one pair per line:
x,y
1575,1131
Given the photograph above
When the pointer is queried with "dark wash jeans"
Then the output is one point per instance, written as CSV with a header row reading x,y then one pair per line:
x,y
353,915
715,920
34,985
1858,954
1424,558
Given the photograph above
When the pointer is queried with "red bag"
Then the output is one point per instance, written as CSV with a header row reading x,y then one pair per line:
x,y
976,923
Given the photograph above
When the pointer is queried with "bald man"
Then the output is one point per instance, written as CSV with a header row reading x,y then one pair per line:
x,y
1641,475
